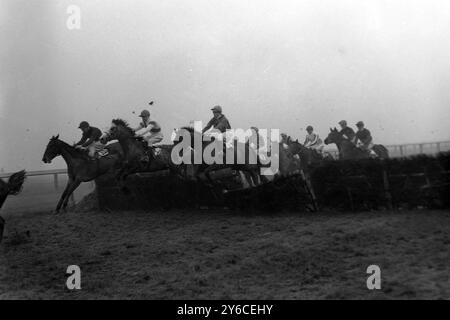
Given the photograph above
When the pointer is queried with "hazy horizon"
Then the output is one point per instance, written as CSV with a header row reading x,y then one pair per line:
x,y
284,64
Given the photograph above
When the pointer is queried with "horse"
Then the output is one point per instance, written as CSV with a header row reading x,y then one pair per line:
x,y
307,156
137,156
348,150
242,151
80,167
12,187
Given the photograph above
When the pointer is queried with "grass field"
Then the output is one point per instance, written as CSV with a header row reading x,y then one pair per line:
x,y
214,254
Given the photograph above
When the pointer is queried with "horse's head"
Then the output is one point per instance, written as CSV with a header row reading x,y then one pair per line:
x,y
295,147
333,137
119,130
53,149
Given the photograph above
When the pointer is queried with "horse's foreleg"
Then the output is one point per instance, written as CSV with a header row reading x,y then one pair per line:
x,y
71,189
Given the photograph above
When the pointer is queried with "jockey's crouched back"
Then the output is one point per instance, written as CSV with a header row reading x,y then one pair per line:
x,y
90,139
364,137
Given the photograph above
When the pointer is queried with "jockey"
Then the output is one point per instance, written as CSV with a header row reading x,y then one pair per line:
x,y
90,139
347,132
312,140
363,137
218,122
148,129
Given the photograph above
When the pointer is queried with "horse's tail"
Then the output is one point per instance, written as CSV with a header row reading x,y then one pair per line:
x,y
15,182
381,151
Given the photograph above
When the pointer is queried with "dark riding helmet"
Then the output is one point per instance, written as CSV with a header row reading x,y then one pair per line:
x,y
360,124
217,109
83,124
144,114
309,128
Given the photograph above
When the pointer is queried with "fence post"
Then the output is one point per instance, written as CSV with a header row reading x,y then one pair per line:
x,y
421,148
438,146
401,150
387,191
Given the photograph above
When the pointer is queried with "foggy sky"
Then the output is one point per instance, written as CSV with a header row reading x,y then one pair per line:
x,y
273,64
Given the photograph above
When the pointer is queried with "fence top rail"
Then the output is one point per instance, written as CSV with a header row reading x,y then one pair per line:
x,y
37,173
417,143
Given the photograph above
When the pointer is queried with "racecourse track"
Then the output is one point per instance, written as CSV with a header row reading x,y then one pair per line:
x,y
218,253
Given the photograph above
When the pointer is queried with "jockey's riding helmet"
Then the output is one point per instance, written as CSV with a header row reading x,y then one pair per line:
x,y
309,128
343,123
360,124
217,109
144,114
83,124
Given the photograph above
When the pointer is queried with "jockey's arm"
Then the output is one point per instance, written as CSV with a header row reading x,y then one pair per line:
x,y
82,141
208,126
88,142
139,127
144,130
306,142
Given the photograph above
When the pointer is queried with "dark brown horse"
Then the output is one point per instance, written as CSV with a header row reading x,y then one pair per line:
x,y
80,167
12,187
348,150
137,156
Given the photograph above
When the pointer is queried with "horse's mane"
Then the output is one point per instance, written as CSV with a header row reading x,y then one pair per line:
x,y
124,124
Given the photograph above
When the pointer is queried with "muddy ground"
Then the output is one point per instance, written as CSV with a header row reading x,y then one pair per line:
x,y
222,254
